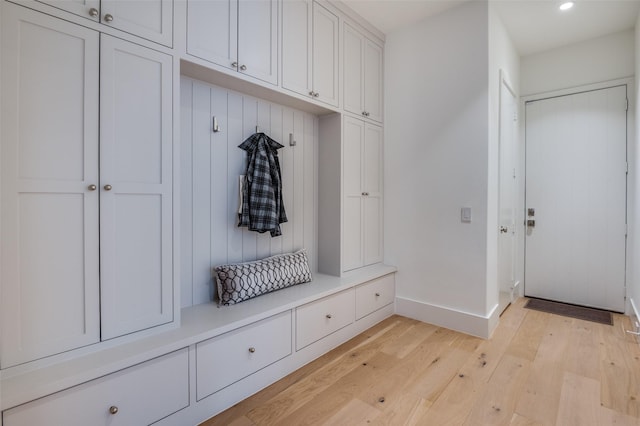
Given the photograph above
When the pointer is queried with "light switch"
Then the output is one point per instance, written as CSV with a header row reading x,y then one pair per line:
x,y
465,214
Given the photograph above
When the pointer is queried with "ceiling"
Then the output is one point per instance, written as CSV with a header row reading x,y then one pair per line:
x,y
534,25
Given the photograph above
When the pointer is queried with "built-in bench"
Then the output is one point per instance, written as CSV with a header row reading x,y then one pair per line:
x,y
230,352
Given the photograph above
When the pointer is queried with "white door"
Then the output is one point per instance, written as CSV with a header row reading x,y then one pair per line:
x,y
353,70
150,19
507,193
353,139
135,187
576,198
49,229
372,80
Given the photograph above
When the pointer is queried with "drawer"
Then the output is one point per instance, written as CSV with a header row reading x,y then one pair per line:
x,y
375,294
142,395
318,319
225,359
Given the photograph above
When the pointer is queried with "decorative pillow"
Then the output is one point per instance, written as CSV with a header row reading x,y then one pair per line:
x,y
243,281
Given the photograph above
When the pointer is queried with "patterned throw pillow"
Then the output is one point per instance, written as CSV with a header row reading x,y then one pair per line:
x,y
244,281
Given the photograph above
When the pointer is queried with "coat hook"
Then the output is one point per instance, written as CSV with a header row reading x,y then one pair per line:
x,y
257,129
215,127
291,141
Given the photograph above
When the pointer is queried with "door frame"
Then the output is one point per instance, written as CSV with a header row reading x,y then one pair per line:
x,y
630,151
505,84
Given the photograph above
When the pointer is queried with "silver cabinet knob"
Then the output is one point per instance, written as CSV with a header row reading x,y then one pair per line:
x,y
243,67
93,12
108,187
315,95
328,316
377,294
108,18
364,113
252,350
92,187
113,409
311,93
503,229
234,64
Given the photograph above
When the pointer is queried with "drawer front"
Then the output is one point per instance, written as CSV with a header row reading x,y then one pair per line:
x,y
138,395
318,319
375,294
225,359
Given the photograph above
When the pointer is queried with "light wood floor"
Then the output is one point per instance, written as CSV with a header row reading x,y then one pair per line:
x,y
537,369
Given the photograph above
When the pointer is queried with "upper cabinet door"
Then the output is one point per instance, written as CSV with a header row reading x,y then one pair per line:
x,y
49,130
325,55
362,75
89,9
353,70
297,46
212,31
135,187
258,39
373,80
149,19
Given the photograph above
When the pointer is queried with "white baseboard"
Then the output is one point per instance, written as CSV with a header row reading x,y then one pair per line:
x,y
464,322
635,318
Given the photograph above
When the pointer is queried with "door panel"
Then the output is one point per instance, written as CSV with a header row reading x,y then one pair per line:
x,y
325,54
576,184
150,19
49,152
258,39
353,70
212,30
135,211
296,46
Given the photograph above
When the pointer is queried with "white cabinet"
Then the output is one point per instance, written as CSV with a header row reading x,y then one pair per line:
x,y
149,19
139,395
310,50
374,295
86,223
362,194
241,35
362,74
318,319
230,357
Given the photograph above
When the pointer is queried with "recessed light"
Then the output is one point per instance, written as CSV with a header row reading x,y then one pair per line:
x,y
566,5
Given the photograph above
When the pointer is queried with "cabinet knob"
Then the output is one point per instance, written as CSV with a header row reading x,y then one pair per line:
x,y
108,18
316,94
113,409
243,67
92,187
365,194
377,294
93,12
311,93
328,316
108,187
252,349
234,64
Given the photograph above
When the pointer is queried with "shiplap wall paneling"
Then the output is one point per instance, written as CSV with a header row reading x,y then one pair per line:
x,y
211,166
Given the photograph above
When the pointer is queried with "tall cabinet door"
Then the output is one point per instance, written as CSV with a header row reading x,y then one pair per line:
x,y
325,55
135,187
49,156
372,200
258,39
352,169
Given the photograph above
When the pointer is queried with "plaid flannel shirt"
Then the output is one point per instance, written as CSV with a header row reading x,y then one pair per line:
x,y
262,206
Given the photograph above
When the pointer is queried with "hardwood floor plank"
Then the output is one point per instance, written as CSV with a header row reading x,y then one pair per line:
x,y
536,369
498,401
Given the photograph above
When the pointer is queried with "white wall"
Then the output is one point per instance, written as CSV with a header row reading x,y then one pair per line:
x,y
503,57
593,61
210,167
436,150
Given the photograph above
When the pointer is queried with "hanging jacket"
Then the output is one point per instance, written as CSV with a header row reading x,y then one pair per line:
x,y
262,206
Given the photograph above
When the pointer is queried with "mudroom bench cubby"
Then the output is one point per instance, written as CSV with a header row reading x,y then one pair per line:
x,y
217,357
